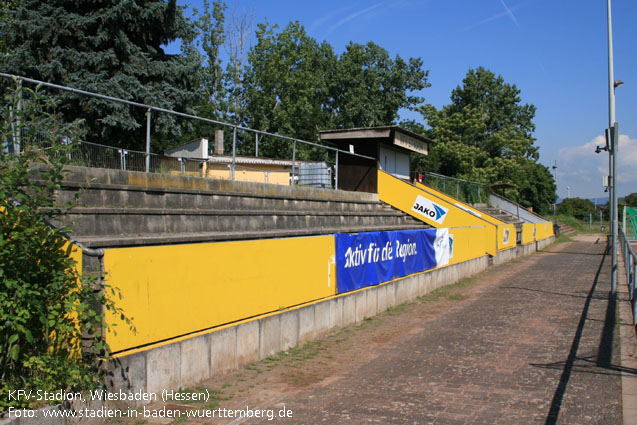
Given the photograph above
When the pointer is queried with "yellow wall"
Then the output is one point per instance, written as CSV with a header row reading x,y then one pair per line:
x,y
501,225
75,254
502,242
486,217
178,289
527,233
402,196
266,174
543,230
464,243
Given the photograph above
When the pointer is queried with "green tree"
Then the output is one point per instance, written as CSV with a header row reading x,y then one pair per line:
x,y
369,87
631,200
508,124
486,135
110,47
286,85
576,207
202,52
5,6
295,86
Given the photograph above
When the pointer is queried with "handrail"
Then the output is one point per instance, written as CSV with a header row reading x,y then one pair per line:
x,y
151,108
630,266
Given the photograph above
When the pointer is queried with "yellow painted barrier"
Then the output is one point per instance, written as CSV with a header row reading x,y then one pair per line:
x,y
506,232
179,289
528,233
432,209
464,243
486,217
543,230
506,236
75,254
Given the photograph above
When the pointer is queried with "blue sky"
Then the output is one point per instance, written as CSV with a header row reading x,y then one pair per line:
x,y
554,51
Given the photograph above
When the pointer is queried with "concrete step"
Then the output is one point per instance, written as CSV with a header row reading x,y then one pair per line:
x,y
111,241
123,196
567,230
502,215
132,221
118,208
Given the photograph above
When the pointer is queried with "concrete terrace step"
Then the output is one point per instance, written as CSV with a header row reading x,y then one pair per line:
x,y
122,196
117,221
567,230
502,215
118,208
112,241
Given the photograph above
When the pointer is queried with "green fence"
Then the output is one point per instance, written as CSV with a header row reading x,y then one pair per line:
x,y
631,221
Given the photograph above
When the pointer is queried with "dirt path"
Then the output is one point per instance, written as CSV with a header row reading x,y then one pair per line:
x,y
530,341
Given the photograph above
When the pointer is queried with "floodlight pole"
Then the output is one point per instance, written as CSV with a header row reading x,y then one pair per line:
x,y
612,152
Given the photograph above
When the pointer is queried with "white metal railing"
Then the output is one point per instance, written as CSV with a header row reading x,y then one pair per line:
x,y
630,262
148,156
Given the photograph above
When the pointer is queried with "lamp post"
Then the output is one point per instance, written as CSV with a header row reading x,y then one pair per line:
x,y
612,151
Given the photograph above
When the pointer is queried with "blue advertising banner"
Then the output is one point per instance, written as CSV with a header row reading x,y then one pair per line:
x,y
365,259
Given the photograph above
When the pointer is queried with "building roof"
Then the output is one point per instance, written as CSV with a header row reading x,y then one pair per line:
x,y
250,160
392,134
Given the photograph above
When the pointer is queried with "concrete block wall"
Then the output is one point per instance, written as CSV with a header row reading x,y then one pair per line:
x,y
509,254
544,243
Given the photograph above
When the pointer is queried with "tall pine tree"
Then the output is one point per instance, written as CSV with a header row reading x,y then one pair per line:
x,y
112,47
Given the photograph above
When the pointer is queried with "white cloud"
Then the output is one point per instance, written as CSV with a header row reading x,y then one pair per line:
x,y
580,168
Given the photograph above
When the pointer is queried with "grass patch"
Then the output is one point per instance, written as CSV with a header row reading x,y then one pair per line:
x,y
563,238
253,367
448,292
216,396
580,225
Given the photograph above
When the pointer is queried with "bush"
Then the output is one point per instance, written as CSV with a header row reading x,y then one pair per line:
x,y
46,309
576,207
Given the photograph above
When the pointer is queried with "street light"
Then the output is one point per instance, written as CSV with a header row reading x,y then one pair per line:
x,y
612,150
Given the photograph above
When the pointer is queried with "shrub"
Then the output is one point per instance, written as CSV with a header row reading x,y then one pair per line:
x,y
576,207
46,308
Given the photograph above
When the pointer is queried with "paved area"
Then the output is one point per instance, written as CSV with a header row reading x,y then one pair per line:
x,y
534,341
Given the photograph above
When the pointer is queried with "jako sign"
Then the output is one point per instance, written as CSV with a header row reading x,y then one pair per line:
x,y
430,210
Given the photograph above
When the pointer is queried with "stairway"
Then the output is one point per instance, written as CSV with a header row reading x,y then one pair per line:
x,y
504,216
566,230
119,208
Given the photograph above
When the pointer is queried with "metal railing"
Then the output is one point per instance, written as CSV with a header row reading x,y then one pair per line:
x,y
464,190
94,155
630,263
134,159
